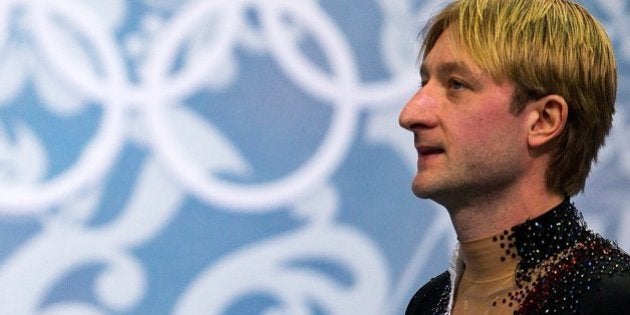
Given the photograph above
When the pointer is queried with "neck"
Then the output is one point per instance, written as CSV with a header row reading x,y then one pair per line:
x,y
489,259
490,214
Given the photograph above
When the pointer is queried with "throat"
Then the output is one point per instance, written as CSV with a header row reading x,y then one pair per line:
x,y
489,275
491,258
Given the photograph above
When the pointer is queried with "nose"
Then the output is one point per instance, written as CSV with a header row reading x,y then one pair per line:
x,y
419,111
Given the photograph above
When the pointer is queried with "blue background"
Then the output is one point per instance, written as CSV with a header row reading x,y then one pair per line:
x,y
229,157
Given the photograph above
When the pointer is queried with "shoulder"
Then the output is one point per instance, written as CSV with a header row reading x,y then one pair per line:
x,y
606,270
431,297
592,277
611,296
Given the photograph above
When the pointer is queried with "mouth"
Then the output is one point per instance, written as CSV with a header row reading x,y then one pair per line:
x,y
429,151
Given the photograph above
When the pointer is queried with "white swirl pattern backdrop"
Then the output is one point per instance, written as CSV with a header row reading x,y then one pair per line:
x,y
229,157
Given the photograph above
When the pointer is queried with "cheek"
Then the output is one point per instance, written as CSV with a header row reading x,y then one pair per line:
x,y
490,129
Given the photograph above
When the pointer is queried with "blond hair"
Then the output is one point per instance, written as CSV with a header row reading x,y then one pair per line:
x,y
544,47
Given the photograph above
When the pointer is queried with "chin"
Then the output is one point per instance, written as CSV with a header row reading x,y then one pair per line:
x,y
438,193
421,192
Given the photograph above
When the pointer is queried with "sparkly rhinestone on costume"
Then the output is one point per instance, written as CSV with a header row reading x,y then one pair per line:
x,y
561,267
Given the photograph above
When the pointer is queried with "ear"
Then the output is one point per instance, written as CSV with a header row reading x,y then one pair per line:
x,y
546,119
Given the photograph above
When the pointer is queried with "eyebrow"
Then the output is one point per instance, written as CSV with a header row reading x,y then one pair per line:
x,y
448,68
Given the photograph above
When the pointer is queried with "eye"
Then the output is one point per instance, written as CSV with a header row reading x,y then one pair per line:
x,y
456,84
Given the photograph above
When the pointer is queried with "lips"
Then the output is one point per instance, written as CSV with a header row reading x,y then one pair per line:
x,y
429,150
427,155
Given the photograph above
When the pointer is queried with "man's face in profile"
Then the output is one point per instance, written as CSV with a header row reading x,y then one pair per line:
x,y
468,141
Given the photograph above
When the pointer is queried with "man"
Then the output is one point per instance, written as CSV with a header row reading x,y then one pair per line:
x,y
517,98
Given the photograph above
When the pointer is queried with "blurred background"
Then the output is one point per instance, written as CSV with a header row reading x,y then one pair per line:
x,y
230,157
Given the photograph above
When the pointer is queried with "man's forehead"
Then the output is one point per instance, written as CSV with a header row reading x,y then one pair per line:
x,y
448,55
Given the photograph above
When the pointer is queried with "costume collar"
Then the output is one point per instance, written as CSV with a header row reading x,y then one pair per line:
x,y
534,241
539,239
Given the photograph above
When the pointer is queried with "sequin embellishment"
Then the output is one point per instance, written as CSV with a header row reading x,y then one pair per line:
x,y
560,259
